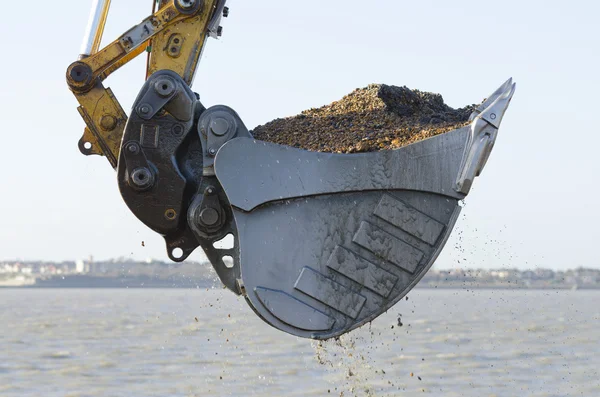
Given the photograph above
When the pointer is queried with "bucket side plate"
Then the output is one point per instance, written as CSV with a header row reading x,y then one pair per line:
x,y
319,267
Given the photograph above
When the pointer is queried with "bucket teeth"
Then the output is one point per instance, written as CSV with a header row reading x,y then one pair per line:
x,y
503,89
484,128
494,112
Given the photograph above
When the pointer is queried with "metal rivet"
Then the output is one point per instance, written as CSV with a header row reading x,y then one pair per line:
x,y
212,151
493,116
145,109
108,122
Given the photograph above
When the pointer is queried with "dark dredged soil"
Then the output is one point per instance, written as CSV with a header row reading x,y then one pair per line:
x,y
377,117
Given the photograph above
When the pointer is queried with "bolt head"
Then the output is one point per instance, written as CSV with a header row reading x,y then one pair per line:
x,y
79,76
186,4
219,126
164,87
145,109
212,151
177,129
108,122
141,178
133,148
171,214
79,73
209,216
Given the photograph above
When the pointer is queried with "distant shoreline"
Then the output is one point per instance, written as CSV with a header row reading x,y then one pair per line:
x,y
131,282
148,282
136,275
124,273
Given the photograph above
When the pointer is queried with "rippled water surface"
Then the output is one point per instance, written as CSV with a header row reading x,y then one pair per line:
x,y
209,343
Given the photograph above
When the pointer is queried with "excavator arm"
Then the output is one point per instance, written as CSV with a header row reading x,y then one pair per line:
x,y
322,242
174,37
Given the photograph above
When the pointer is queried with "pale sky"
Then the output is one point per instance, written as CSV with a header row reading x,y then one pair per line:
x,y
534,206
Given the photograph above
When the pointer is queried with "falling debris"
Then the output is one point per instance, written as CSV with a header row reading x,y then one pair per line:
x,y
377,117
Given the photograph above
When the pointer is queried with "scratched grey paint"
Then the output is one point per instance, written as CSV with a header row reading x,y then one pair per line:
x,y
409,219
385,245
362,271
333,294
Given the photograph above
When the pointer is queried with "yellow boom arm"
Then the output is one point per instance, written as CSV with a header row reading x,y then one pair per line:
x,y
174,36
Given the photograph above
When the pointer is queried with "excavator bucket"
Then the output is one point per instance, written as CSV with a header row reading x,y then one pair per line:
x,y
328,242
323,243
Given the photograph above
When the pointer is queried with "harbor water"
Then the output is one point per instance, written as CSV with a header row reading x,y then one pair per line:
x,y
198,342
